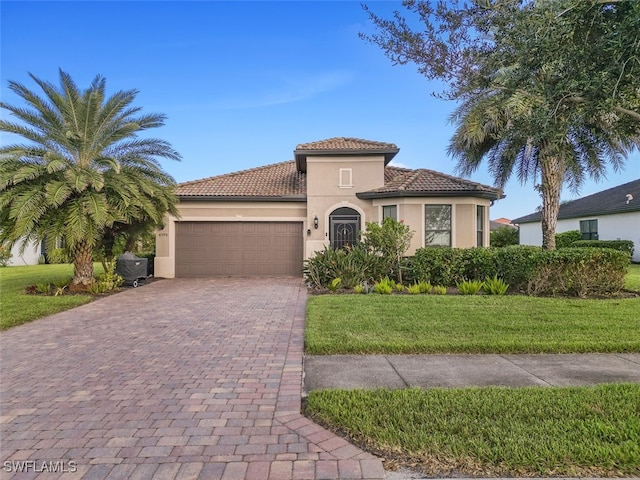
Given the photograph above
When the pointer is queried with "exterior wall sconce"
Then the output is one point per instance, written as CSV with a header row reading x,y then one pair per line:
x,y
315,222
308,231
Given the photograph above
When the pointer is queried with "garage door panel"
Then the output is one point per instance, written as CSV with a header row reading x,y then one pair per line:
x,y
206,249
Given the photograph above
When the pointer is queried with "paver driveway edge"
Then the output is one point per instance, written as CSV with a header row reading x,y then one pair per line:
x,y
177,379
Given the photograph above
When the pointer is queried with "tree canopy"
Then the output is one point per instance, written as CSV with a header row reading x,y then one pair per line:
x,y
83,172
546,89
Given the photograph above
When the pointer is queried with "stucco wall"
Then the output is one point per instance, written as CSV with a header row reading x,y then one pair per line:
x,y
622,226
30,255
463,221
332,182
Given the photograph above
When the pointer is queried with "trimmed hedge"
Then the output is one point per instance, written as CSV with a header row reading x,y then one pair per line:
x,y
565,239
568,271
622,245
579,272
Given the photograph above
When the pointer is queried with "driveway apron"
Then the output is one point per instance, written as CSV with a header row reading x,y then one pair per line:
x,y
179,379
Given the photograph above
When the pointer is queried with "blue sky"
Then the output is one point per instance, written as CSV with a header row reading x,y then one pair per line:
x,y
243,83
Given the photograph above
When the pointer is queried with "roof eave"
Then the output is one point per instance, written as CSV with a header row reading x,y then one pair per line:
x,y
242,198
538,217
442,193
301,155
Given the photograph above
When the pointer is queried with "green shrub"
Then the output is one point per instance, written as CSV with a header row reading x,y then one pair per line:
x,y
58,256
334,284
495,286
435,265
473,263
622,245
440,290
353,266
44,288
469,287
399,287
504,236
566,239
425,287
579,272
107,282
359,289
515,264
414,289
5,255
384,286
389,241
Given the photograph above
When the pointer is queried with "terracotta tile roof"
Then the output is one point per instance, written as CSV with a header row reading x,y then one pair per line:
x,y
343,146
423,182
277,181
282,181
607,202
346,143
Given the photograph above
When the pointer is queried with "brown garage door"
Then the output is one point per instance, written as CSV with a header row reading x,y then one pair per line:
x,y
214,249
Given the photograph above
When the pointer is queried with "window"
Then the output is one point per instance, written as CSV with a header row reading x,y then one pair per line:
x,y
589,229
480,226
390,211
345,179
437,225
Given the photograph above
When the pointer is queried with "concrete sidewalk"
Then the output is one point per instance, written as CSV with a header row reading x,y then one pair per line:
x,y
400,371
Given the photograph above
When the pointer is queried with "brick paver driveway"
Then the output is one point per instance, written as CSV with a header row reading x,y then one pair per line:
x,y
177,379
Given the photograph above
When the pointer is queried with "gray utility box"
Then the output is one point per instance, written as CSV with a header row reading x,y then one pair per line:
x,y
132,269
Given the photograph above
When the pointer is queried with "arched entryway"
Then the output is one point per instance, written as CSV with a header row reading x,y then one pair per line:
x,y
344,227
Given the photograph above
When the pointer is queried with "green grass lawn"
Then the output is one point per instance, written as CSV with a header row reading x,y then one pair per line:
x,y
533,431
406,324
632,280
16,307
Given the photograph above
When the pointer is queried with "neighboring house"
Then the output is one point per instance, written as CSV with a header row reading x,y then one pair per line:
x,y
500,223
612,214
30,256
267,220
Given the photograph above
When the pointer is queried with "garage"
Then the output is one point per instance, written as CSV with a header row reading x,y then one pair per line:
x,y
235,249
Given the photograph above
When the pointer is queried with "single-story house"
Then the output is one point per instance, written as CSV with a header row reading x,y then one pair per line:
x,y
612,214
265,221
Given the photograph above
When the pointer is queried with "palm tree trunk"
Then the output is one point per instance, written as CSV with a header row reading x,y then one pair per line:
x,y
82,264
552,173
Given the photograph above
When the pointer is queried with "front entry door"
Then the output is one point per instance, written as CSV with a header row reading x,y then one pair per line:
x,y
345,227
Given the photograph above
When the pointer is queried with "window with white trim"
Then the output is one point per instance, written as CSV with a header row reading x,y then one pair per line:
x,y
437,222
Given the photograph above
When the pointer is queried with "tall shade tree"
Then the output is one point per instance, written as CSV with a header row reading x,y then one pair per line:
x,y
83,169
548,90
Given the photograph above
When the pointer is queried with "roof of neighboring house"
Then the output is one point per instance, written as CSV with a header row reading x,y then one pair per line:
x,y
608,202
429,183
343,146
496,225
283,182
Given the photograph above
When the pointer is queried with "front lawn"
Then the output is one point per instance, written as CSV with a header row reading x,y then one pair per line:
x,y
533,431
16,307
405,324
632,280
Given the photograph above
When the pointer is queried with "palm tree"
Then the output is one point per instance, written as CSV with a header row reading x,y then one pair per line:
x,y
83,169
520,129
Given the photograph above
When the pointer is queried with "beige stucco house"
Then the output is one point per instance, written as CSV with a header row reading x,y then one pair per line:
x,y
265,221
